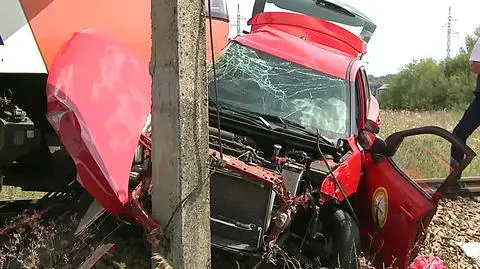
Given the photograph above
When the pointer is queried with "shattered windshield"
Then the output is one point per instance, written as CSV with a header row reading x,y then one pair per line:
x,y
259,82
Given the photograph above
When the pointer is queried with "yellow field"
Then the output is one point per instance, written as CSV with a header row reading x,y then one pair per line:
x,y
420,156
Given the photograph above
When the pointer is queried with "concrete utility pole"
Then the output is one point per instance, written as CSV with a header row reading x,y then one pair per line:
x,y
180,131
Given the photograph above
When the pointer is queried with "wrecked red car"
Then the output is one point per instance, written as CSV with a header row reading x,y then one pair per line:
x,y
304,171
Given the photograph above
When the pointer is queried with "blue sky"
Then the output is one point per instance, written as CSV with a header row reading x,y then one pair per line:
x,y
406,29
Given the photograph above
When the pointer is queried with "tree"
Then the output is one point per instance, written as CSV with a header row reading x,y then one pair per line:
x,y
420,85
458,72
426,84
471,40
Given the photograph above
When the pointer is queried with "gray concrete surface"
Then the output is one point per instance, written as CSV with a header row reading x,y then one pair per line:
x,y
180,130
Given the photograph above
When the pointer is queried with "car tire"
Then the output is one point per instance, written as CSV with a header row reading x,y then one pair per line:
x,y
346,239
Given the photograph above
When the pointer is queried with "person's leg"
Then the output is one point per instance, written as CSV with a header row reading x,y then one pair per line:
x,y
469,122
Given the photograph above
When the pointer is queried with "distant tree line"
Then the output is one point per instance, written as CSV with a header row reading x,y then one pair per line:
x,y
427,84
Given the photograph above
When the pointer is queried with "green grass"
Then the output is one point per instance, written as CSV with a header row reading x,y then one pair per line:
x,y
427,155
421,156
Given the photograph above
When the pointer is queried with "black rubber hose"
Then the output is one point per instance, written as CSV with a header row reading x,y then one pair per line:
x,y
226,135
223,134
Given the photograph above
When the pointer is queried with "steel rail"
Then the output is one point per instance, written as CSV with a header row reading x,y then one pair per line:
x,y
467,185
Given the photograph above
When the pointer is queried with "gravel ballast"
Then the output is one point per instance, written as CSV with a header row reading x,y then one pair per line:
x,y
456,220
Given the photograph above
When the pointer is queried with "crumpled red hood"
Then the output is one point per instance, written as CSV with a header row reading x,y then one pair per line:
x,y
99,98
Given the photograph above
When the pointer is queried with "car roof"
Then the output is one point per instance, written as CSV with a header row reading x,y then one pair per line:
x,y
303,42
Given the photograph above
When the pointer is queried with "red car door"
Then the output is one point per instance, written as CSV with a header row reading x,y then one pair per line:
x,y
395,203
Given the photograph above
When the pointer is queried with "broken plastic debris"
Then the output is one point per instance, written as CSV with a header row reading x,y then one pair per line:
x,y
427,261
472,250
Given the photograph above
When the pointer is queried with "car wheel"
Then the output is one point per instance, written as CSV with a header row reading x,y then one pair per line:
x,y
344,232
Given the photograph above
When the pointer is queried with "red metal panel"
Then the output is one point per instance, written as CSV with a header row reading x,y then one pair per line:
x,y
296,50
374,111
405,208
98,101
347,174
312,29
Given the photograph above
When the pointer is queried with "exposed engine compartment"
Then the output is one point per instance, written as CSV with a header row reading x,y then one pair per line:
x,y
282,159
246,213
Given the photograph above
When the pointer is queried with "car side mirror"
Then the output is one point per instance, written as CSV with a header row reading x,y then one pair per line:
x,y
370,141
372,126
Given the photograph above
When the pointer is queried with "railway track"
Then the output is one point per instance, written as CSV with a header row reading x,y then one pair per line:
x,y
468,186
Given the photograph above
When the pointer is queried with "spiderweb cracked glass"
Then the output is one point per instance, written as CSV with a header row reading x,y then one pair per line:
x,y
259,82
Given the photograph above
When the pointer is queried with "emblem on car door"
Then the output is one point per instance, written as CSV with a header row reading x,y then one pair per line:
x,y
380,207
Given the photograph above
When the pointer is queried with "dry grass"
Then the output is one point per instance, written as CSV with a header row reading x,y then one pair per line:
x,y
32,243
427,156
161,262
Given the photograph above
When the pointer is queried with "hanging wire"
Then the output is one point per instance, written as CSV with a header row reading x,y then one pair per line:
x,y
214,76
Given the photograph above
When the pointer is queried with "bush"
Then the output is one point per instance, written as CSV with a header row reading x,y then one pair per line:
x,y
420,85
